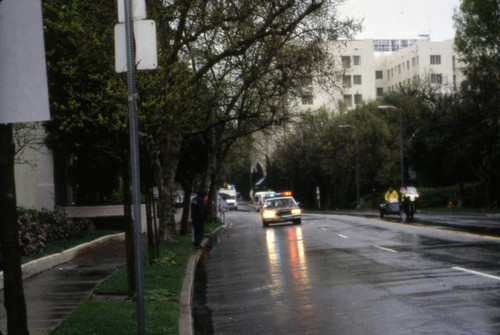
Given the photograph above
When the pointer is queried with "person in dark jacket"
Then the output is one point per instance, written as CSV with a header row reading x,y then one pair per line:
x,y
198,215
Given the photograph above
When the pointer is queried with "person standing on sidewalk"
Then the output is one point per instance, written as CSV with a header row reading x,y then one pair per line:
x,y
223,209
198,216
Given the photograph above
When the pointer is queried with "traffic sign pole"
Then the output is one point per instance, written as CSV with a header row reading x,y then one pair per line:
x,y
135,171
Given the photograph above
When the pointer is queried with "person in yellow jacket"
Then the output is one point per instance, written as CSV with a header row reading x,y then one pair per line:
x,y
391,195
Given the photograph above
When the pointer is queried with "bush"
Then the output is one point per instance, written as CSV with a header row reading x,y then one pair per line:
x,y
58,225
82,227
32,235
36,228
439,197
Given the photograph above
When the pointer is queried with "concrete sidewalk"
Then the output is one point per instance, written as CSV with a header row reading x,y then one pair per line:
x,y
63,281
55,285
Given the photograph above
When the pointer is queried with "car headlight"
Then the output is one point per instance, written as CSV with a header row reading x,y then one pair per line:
x,y
296,211
268,214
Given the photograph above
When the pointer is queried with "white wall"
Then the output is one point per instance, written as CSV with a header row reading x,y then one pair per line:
x,y
34,176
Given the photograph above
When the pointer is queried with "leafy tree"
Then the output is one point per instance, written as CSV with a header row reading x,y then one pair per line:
x,y
88,113
478,42
237,60
243,53
376,148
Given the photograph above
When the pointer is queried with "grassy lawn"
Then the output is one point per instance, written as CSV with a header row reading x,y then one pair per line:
x,y
162,287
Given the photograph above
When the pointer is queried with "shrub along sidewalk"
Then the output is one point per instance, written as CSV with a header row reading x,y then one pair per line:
x,y
110,312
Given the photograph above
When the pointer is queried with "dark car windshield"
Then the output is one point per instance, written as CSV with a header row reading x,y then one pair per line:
x,y
227,196
283,202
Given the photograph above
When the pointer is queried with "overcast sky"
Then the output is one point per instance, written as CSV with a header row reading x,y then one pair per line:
x,y
402,19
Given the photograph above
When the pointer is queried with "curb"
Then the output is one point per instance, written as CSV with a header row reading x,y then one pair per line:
x,y
39,265
186,325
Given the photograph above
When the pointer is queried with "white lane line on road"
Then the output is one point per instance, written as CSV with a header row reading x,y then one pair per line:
x,y
343,236
323,228
385,249
476,272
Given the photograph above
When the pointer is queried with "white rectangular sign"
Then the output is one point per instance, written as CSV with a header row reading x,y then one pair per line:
x,y
138,10
23,76
145,46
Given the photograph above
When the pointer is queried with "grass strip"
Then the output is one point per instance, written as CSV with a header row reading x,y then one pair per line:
x,y
162,286
119,317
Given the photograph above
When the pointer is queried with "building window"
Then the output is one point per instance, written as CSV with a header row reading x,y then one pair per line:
x,y
356,60
358,99
348,100
380,91
307,99
346,61
357,79
392,72
435,59
379,74
347,81
436,78
407,64
389,74
399,69
413,62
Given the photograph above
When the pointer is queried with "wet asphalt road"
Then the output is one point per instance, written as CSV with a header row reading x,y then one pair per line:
x,y
347,275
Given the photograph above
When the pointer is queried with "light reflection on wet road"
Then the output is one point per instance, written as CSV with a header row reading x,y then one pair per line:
x,y
349,275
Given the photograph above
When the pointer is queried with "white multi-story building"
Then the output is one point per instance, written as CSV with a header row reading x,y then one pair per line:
x,y
371,68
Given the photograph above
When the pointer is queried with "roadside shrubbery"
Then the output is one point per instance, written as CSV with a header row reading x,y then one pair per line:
x,y
36,228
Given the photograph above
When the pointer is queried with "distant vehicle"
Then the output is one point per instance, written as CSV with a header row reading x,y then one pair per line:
x,y
281,207
410,197
178,198
260,197
229,194
407,206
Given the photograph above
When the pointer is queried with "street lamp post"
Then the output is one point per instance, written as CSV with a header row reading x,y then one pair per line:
x,y
400,140
358,198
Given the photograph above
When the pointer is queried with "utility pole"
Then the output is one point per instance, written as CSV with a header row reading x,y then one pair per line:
x,y
134,161
135,44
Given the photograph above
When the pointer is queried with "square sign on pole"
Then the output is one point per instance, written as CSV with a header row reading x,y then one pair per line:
x,y
145,46
138,10
24,93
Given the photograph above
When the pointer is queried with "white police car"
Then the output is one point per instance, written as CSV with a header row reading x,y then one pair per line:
x,y
280,207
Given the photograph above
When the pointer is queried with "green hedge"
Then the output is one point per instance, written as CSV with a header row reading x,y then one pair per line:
x,y
440,197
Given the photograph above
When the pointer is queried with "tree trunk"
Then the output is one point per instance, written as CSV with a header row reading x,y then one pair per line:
x,y
188,187
212,197
149,216
166,212
10,251
166,208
